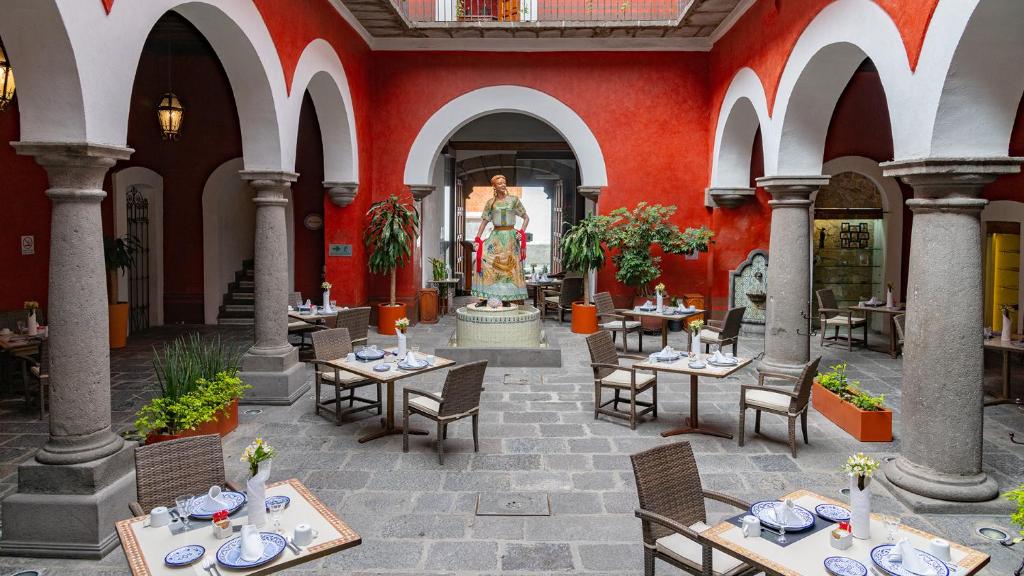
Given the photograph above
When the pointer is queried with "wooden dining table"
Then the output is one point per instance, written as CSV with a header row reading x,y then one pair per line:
x,y
890,315
146,546
682,366
365,369
665,319
1014,346
806,555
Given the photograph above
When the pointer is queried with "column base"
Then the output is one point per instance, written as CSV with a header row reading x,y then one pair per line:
x,y
277,379
786,367
69,511
923,488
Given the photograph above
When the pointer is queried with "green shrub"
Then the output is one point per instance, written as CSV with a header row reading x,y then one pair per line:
x,y
837,382
1017,496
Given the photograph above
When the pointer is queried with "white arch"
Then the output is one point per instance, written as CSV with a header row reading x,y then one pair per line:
x,y
320,71
820,66
744,110
419,167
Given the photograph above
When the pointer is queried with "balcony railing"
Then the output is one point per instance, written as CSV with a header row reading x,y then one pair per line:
x,y
541,11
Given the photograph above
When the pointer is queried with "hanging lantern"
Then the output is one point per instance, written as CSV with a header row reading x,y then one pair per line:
x,y
6,81
170,113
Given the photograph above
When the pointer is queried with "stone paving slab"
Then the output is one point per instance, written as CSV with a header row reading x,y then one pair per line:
x,y
418,517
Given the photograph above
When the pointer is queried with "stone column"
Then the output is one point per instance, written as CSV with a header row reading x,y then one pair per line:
x,y
81,481
342,193
942,412
787,341
272,366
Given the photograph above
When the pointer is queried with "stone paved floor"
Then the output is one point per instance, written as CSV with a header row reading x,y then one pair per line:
x,y
417,517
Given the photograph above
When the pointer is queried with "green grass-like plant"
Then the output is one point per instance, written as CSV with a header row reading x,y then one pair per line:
x,y
837,382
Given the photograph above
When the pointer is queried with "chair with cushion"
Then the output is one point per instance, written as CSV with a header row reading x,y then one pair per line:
x,y
831,316
561,298
357,321
788,403
166,470
334,344
673,516
611,320
460,398
608,373
899,321
728,332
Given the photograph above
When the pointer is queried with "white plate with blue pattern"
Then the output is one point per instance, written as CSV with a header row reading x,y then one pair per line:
x,y
368,354
880,556
184,556
843,566
765,512
832,513
230,554
203,510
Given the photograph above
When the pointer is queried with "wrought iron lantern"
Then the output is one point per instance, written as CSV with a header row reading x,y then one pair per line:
x,y
6,80
170,113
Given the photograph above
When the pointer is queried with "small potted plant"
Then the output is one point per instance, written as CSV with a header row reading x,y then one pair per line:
x,y
582,251
695,327
326,287
860,468
1007,322
119,256
842,401
31,321
391,228
257,452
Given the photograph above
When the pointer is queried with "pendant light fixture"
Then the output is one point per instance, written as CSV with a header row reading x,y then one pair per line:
x,y
6,80
169,112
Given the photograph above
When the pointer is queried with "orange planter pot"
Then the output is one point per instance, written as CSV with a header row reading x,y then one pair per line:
x,y
227,421
873,426
386,317
584,318
117,318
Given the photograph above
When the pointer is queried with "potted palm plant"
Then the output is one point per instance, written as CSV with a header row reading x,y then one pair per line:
x,y
583,251
392,226
119,255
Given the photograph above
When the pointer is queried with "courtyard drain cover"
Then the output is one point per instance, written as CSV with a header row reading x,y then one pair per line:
x,y
513,504
253,412
513,379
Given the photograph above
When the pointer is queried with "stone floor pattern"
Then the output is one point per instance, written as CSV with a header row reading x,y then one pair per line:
x,y
538,433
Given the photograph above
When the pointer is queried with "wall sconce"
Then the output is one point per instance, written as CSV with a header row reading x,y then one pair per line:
x,y
6,81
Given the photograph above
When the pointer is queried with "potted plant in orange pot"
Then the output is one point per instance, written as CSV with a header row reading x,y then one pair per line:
x,y
119,255
392,226
860,414
583,251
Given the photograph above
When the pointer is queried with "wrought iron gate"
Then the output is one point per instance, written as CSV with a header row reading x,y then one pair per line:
x,y
137,210
557,226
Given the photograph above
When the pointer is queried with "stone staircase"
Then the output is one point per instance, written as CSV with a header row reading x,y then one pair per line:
x,y
239,307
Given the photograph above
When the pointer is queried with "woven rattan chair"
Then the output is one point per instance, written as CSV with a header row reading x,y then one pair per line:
x,y
614,322
561,298
899,321
36,374
357,321
334,344
295,299
728,332
166,470
459,399
608,373
673,514
831,316
791,404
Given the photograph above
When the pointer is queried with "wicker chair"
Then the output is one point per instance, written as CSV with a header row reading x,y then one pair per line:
x,y
899,321
608,373
295,299
791,404
562,297
831,316
459,398
333,344
610,320
725,332
673,515
357,321
166,470
36,368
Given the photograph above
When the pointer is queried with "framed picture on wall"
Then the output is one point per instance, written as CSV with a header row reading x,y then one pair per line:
x,y
863,226
844,242
844,235
844,227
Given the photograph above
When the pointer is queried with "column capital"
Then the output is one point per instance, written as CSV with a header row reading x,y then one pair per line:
x,y
421,191
270,186
342,193
590,192
727,197
792,191
75,169
943,177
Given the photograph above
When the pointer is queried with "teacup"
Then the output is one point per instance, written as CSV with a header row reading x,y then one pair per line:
x,y
159,516
304,534
351,357
940,549
751,526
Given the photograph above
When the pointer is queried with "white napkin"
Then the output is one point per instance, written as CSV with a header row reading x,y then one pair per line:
x,y
257,493
411,360
666,352
904,553
309,303
785,513
648,304
718,358
252,545
214,501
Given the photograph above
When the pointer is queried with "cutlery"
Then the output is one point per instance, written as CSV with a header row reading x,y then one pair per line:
x,y
208,564
294,547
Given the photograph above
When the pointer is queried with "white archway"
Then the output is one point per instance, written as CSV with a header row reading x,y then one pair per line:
x,y
744,110
229,227
319,70
151,186
820,66
419,167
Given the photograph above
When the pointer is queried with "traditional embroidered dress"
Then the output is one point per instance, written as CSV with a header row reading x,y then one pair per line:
x,y
500,272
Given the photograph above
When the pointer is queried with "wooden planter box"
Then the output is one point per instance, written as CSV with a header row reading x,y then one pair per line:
x,y
874,426
227,421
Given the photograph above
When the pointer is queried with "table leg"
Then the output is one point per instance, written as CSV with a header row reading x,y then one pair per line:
x,y
664,333
892,335
389,423
693,422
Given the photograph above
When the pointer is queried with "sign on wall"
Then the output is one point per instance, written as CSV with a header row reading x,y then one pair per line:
x,y
339,250
28,245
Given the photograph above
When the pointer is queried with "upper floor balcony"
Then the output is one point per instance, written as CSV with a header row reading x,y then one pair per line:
x,y
543,11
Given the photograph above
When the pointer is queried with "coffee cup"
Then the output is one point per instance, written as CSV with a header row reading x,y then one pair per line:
x,y
939,548
751,526
351,357
304,534
159,516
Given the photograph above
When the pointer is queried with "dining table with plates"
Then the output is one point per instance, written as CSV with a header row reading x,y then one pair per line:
x,y
305,530
807,546
666,315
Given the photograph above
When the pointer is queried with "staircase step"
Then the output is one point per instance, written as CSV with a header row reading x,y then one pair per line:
x,y
236,297
237,321
248,308
244,285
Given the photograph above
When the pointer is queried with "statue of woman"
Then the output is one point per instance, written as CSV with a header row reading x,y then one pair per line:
x,y
499,272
